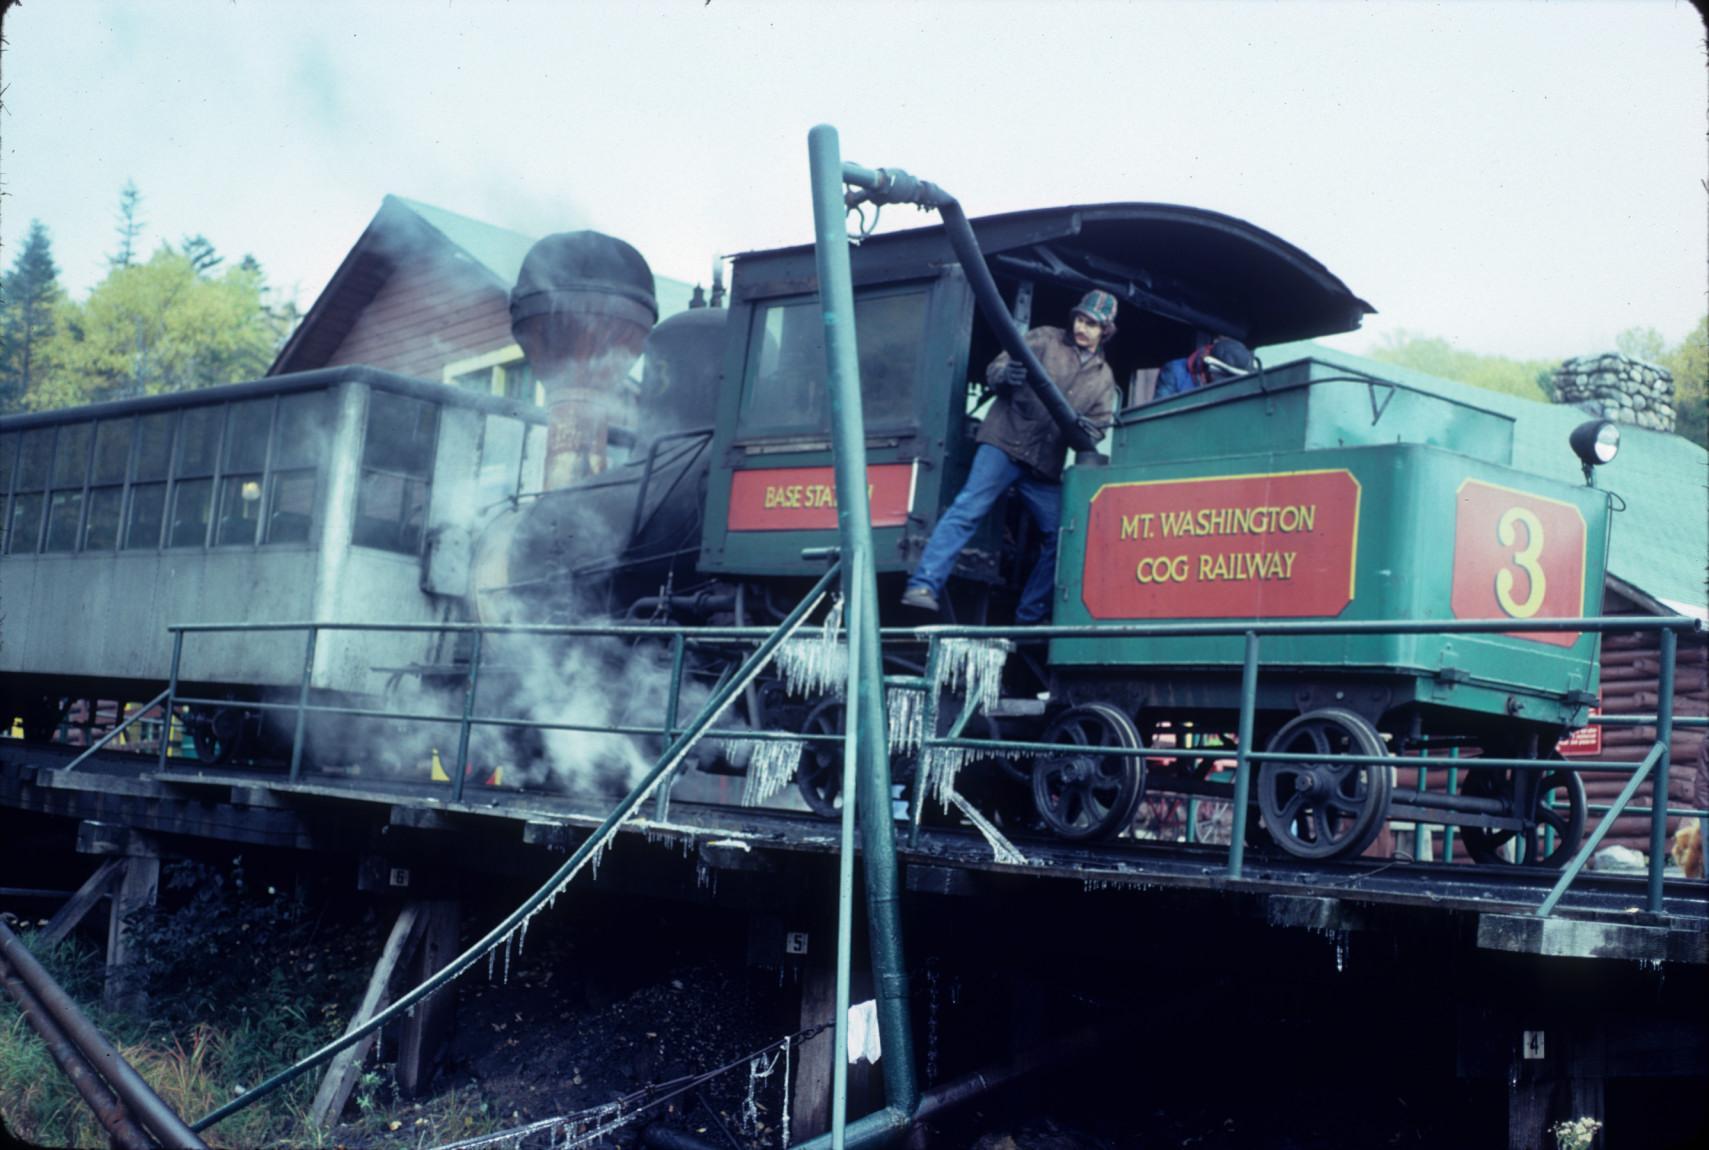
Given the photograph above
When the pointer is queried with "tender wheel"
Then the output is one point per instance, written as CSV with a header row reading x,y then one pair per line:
x,y
1082,796
1557,803
1325,810
819,778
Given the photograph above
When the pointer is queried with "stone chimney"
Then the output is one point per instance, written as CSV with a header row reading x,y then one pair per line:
x,y
1618,387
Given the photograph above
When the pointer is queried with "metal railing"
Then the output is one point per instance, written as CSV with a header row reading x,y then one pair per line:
x,y
681,639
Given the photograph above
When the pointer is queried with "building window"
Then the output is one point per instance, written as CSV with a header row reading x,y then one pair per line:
x,y
397,472
505,373
193,477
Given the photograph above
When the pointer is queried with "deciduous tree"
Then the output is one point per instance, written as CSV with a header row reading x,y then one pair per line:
x,y
160,326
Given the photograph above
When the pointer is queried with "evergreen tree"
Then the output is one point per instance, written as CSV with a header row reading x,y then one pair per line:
x,y
30,298
200,252
130,226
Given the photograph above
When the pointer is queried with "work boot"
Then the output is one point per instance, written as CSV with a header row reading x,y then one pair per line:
x,y
920,597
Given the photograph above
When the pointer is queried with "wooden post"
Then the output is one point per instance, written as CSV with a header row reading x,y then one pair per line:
x,y
810,1105
346,1065
123,989
428,1028
1530,1088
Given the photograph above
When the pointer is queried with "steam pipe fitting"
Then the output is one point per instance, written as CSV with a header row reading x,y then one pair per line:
x,y
892,185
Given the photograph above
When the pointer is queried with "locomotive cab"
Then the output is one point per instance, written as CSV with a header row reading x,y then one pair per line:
x,y
1181,275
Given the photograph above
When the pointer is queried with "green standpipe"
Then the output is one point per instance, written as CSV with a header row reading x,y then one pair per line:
x,y
866,699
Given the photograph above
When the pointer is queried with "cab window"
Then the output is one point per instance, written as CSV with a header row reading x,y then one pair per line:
x,y
785,392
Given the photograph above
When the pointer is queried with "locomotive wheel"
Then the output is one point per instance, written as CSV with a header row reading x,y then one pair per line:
x,y
1082,796
819,778
1558,803
1325,810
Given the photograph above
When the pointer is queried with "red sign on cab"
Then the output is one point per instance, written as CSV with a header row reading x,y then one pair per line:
x,y
1279,545
805,498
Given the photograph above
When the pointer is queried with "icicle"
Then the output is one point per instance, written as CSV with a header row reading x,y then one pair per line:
x,y
1002,850
816,666
785,1142
507,939
770,768
522,935
905,719
491,954
1340,951
973,667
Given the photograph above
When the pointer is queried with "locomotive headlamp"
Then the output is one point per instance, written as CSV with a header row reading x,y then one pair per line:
x,y
1595,443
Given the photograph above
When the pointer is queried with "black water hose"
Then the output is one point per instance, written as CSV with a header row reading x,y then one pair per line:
x,y
891,185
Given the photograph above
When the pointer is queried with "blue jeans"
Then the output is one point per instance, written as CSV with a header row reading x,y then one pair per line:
x,y
994,473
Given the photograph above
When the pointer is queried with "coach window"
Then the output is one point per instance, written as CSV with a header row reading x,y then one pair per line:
x,y
397,467
299,444
8,460
500,474
107,484
35,451
147,514
70,473
247,428
192,477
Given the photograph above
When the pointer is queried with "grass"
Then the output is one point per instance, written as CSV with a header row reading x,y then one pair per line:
x,y
243,981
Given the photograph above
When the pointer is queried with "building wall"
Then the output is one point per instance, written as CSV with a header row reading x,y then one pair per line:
x,y
431,311
1630,681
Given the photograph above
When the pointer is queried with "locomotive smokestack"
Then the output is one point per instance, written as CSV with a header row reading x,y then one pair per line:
x,y
581,309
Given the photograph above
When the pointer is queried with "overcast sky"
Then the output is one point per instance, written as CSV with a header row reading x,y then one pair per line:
x,y
1524,178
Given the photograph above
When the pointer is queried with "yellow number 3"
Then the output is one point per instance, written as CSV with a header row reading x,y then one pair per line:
x,y
1525,559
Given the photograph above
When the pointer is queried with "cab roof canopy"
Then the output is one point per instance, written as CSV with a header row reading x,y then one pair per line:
x,y
1177,271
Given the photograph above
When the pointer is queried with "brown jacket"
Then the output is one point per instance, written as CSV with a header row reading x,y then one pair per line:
x,y
1018,423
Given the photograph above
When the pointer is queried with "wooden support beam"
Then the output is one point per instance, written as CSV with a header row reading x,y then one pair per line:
x,y
427,1030
135,890
78,906
346,1065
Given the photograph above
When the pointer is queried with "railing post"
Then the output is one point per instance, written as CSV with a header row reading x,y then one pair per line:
x,y
1242,765
468,713
302,704
1658,784
171,694
1453,789
662,803
866,717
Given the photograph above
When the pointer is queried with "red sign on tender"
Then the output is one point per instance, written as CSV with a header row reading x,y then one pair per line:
x,y
1279,545
1518,556
805,498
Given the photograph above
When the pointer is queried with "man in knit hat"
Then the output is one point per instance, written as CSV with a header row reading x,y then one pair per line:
x,y
1021,447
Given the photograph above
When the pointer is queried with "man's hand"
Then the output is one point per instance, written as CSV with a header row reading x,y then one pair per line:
x,y
1014,376
1085,435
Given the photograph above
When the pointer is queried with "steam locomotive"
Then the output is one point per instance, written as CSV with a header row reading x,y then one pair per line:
x,y
698,492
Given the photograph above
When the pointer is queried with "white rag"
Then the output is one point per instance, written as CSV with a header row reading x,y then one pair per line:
x,y
863,1032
